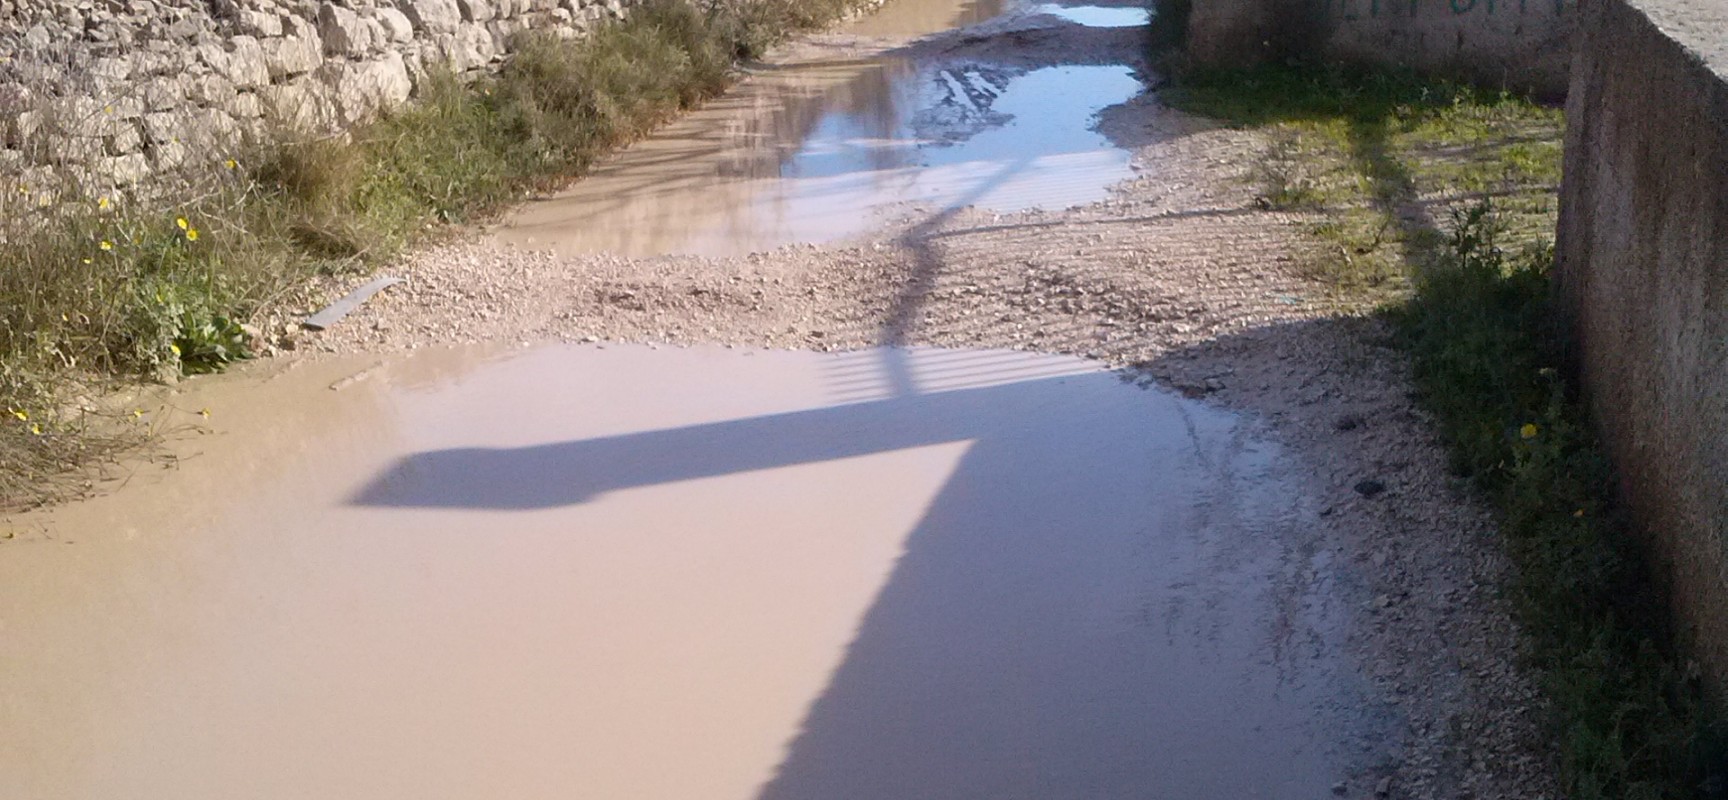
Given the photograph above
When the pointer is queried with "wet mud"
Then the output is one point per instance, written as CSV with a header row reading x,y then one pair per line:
x,y
676,573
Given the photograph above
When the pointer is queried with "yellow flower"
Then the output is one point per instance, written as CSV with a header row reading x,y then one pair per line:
x,y
106,245
88,261
175,349
107,109
1529,430
191,234
137,412
204,412
231,164
102,203
21,414
36,428
181,221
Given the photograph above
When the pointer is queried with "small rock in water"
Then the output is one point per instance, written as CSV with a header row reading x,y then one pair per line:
x,y
1370,488
1384,788
1339,788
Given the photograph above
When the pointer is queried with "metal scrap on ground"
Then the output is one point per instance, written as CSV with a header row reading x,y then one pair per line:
x,y
334,313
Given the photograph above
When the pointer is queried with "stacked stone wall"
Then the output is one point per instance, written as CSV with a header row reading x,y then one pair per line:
x,y
116,94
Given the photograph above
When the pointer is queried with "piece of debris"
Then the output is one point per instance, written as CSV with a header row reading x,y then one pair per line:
x,y
341,308
355,378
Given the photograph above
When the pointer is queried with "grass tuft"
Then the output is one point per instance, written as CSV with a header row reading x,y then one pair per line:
x,y
1382,157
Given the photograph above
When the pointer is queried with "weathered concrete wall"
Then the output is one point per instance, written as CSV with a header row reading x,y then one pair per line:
x,y
1231,33
117,91
1522,44
1643,274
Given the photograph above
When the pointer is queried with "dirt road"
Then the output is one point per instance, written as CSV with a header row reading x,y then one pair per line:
x,y
1153,259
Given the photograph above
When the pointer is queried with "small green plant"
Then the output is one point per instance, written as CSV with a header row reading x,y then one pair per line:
x,y
208,344
1485,345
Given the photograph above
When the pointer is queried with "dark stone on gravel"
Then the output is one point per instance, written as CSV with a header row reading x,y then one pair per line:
x,y
1370,488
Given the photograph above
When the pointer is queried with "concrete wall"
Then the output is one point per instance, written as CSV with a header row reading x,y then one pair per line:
x,y
1643,275
1521,44
114,92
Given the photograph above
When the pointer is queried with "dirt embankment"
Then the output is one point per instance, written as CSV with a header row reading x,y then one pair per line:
x,y
1179,275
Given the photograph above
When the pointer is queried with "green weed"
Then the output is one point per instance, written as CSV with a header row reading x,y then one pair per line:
x,y
1385,154
1486,356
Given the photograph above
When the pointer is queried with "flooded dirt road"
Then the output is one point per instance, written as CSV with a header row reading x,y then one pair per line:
x,y
493,536
677,573
830,146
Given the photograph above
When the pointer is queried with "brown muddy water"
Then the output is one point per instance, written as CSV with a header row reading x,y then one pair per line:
x,y
832,147
704,574
624,572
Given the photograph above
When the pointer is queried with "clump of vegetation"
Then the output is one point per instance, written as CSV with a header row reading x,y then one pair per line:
x,y
1379,158
1485,347
1433,202
96,287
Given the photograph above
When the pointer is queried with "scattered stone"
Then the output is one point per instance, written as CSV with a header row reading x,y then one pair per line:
x,y
1370,488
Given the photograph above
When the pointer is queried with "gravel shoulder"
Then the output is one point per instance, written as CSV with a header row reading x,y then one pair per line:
x,y
1179,278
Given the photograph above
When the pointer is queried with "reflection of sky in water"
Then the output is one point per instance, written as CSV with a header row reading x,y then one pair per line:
x,y
1097,16
975,136
838,149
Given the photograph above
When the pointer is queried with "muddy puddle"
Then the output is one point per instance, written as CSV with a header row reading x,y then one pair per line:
x,y
1097,16
832,146
583,571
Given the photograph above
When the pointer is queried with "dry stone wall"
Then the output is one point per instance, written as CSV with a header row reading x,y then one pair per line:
x,y
117,93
